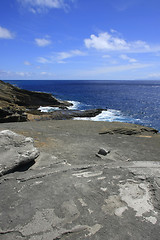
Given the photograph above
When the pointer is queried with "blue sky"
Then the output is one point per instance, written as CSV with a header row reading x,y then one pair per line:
x,y
80,39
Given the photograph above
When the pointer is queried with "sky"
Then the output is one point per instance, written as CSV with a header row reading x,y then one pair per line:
x,y
80,39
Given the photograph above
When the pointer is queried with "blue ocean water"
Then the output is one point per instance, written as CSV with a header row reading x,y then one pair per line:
x,y
127,101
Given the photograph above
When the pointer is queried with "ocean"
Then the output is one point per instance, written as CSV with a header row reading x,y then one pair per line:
x,y
125,101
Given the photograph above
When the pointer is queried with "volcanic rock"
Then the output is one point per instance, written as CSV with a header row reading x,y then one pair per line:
x,y
11,95
103,152
16,151
63,114
128,130
12,115
70,194
14,102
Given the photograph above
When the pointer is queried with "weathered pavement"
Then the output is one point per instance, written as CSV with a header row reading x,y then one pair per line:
x,y
72,192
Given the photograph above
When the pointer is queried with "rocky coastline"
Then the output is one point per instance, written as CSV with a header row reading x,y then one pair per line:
x,y
19,105
67,180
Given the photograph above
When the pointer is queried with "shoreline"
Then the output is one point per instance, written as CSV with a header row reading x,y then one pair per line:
x,y
142,115
19,105
79,179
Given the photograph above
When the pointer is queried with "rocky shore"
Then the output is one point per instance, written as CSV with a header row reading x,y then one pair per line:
x,y
19,105
72,180
79,180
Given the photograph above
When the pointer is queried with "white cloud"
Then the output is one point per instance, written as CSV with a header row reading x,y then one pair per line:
x,y
22,74
105,41
27,63
45,3
60,56
153,76
64,55
42,42
47,74
11,75
113,69
32,10
43,60
14,75
38,6
43,73
125,57
110,42
5,33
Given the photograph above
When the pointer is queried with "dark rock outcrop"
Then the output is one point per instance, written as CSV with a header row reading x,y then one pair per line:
x,y
137,129
12,115
11,95
87,113
15,102
63,114
16,152
18,105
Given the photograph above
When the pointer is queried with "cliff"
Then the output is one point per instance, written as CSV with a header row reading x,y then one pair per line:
x,y
14,96
19,105
14,102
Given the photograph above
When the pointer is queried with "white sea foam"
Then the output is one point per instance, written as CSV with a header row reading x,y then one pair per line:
x,y
48,109
75,106
109,115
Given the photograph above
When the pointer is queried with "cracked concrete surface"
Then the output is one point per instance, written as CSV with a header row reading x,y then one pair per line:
x,y
70,193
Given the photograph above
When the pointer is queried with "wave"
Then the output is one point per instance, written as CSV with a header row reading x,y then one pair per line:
x,y
110,115
48,109
76,105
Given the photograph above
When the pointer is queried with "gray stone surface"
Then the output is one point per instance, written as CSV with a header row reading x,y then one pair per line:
x,y
15,151
135,129
70,194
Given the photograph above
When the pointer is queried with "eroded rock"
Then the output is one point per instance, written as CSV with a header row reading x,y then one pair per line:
x,y
11,95
15,102
16,151
129,130
68,194
12,115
